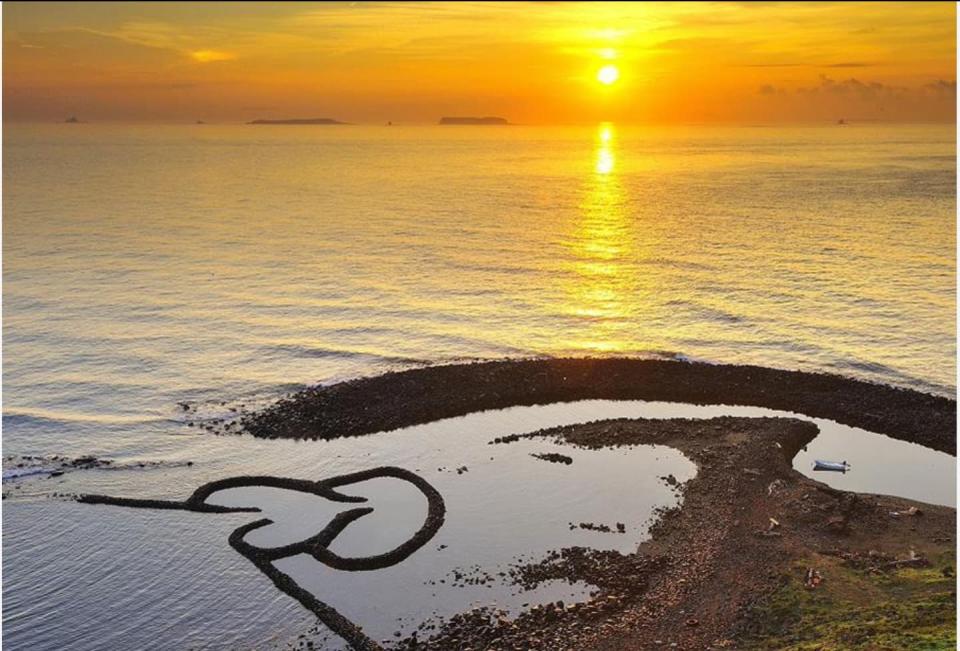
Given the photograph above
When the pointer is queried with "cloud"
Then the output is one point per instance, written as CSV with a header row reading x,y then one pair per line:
x,y
853,87
943,87
209,56
862,99
70,50
852,64
772,65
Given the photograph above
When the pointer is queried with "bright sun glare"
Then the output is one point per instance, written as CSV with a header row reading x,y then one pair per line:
x,y
608,74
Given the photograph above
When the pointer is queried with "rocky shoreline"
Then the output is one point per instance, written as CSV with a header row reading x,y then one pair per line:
x,y
747,520
317,545
422,395
750,526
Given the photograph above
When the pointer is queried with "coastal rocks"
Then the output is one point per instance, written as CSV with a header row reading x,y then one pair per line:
x,y
318,545
490,120
422,395
705,564
30,466
553,457
215,417
299,121
705,569
590,526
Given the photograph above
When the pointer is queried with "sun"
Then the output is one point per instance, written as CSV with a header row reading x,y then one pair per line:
x,y
608,74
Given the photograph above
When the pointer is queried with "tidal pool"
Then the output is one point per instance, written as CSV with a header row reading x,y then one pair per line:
x,y
102,576
503,507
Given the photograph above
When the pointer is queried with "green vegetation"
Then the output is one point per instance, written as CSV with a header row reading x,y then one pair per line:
x,y
911,608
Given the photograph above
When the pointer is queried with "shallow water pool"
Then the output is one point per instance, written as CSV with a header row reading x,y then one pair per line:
x,y
93,576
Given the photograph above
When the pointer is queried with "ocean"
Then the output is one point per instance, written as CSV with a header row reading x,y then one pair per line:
x,y
225,265
148,265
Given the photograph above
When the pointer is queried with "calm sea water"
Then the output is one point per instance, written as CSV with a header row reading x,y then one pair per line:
x,y
225,265
147,265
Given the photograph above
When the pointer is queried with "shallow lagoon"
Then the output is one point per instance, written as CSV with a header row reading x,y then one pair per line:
x,y
66,564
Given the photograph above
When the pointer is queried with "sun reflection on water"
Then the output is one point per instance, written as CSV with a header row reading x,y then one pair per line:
x,y
603,288
606,160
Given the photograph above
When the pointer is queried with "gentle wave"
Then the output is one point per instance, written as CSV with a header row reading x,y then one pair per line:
x,y
344,354
701,311
15,417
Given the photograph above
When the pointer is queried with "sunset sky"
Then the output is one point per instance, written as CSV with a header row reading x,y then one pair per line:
x,y
529,62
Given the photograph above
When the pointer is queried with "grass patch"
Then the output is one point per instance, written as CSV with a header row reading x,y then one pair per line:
x,y
855,609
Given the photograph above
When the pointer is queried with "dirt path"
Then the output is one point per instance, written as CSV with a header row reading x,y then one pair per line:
x,y
717,560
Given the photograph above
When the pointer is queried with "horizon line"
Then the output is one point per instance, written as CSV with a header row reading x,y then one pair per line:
x,y
846,121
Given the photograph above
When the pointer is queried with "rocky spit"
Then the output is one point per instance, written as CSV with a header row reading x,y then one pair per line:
x,y
746,519
423,395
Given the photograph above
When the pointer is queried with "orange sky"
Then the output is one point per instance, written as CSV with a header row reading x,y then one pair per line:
x,y
529,62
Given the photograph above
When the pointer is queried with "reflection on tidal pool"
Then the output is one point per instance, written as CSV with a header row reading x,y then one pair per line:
x,y
503,506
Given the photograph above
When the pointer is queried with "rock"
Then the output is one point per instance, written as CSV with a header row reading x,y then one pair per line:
x,y
837,524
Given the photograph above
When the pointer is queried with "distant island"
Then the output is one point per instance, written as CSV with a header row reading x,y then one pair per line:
x,y
471,120
72,120
299,121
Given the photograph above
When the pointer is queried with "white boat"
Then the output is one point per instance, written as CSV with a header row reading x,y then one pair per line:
x,y
835,466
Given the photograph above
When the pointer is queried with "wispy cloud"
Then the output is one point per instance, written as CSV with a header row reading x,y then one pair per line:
x,y
772,65
852,64
863,99
209,56
943,87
